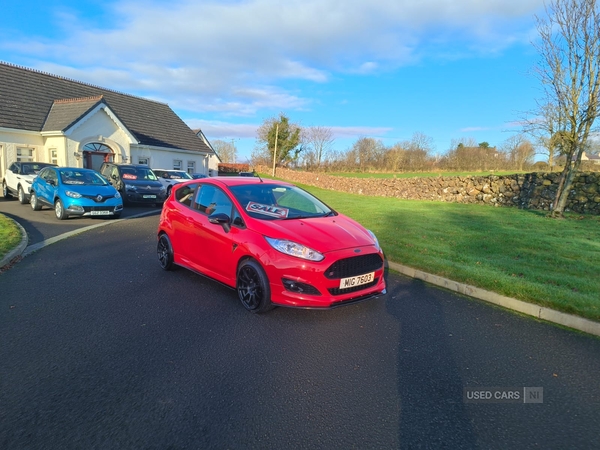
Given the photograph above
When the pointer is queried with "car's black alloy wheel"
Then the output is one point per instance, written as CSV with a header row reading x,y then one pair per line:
x,y
164,250
253,287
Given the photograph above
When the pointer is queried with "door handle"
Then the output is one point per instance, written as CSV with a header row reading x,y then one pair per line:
x,y
192,221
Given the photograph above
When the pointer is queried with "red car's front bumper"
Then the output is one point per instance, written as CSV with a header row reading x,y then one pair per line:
x,y
308,284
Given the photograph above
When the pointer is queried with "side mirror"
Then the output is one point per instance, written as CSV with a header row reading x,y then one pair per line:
x,y
221,219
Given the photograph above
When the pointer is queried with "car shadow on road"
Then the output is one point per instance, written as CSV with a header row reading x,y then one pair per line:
x,y
430,387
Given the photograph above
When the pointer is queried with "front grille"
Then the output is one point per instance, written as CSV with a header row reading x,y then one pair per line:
x,y
95,198
338,291
357,265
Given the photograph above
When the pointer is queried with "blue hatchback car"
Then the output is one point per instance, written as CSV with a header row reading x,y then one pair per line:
x,y
71,191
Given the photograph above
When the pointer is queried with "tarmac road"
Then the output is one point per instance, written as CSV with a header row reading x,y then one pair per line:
x,y
42,225
102,349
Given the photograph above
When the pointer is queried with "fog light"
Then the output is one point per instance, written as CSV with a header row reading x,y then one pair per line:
x,y
76,208
300,288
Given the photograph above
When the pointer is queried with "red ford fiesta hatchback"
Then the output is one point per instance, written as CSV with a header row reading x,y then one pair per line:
x,y
275,243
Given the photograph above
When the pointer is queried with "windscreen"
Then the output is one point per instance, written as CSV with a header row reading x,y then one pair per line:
x,y
272,202
82,177
137,173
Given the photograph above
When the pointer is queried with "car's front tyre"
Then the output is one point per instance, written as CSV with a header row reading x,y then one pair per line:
x,y
253,287
5,191
22,198
59,210
164,251
34,202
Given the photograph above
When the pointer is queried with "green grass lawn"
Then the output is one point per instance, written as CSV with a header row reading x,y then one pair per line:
x,y
517,253
419,174
9,235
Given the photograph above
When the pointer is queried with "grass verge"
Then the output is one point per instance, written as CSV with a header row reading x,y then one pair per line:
x,y
518,253
10,236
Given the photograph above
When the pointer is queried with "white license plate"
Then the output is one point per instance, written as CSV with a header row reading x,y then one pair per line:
x,y
349,282
149,196
100,213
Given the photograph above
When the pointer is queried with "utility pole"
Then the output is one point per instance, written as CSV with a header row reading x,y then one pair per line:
x,y
275,153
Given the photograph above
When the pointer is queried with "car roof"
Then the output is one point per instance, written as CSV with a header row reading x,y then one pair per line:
x,y
45,164
80,169
128,165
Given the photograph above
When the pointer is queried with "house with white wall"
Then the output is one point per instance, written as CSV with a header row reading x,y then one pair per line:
x,y
48,118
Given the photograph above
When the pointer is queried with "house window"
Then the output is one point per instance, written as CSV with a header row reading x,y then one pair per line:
x,y
24,154
97,147
191,167
54,156
177,164
145,161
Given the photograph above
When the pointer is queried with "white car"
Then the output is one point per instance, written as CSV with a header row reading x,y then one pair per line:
x,y
18,178
170,177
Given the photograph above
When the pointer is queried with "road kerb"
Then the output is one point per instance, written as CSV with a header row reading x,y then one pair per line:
x,y
539,312
18,250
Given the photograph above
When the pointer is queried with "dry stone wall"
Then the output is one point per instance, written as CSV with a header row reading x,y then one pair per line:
x,y
527,191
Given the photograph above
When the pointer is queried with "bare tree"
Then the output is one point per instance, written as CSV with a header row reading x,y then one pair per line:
x,y
569,71
226,151
367,152
544,127
319,141
519,150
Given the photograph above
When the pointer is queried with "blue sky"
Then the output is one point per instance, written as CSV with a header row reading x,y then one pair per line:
x,y
387,69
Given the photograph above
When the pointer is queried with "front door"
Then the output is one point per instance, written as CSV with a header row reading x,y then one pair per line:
x,y
95,153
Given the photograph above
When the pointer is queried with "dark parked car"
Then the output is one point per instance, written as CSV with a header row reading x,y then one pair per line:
x,y
198,175
137,183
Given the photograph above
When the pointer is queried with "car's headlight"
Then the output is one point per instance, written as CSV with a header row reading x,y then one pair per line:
x,y
118,195
162,189
375,239
73,194
294,249
130,187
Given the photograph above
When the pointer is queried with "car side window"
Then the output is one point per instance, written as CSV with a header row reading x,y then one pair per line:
x,y
14,168
211,200
50,176
106,171
185,194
